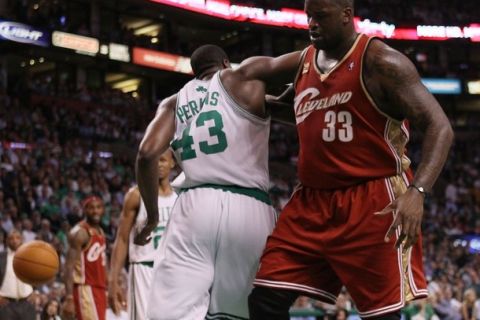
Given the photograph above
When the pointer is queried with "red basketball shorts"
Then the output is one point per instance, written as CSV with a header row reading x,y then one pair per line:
x,y
90,302
325,239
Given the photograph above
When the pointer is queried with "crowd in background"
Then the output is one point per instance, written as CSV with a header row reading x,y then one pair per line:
x,y
60,142
52,155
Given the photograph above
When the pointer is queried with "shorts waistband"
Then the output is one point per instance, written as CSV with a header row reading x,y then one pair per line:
x,y
256,193
15,299
144,263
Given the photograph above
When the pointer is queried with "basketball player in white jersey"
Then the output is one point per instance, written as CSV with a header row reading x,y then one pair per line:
x,y
220,222
141,258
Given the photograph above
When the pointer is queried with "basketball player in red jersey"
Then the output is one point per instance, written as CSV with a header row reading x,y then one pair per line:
x,y
355,218
85,273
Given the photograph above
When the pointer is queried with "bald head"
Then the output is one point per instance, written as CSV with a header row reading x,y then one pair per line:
x,y
339,3
342,3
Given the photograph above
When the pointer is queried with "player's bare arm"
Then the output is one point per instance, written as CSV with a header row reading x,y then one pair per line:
x,y
156,141
128,215
397,89
77,239
279,70
247,84
281,107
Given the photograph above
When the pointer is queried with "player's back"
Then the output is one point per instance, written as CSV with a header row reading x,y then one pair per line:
x,y
217,141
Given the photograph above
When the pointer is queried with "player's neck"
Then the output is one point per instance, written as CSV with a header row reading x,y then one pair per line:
x,y
92,224
341,50
164,188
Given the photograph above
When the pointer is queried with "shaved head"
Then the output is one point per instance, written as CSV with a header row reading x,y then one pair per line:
x,y
343,3
206,57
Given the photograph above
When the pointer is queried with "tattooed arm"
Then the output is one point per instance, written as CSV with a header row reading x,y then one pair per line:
x,y
395,85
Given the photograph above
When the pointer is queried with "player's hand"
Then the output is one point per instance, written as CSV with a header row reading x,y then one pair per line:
x,y
116,300
68,308
408,213
143,236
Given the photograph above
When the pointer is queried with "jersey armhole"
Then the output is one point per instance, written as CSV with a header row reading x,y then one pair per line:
x,y
302,61
89,241
238,108
364,85
175,116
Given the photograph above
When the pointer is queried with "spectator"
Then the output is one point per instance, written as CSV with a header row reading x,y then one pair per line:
x,y
51,311
27,233
14,293
469,311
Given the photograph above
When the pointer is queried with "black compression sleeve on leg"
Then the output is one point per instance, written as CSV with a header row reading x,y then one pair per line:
x,y
390,316
270,304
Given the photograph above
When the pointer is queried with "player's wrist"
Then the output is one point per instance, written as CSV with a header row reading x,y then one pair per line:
x,y
419,189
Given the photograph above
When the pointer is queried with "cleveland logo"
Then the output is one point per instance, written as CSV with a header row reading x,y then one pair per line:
x,y
95,251
305,102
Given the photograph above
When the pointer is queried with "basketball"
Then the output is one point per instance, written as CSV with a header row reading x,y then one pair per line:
x,y
35,262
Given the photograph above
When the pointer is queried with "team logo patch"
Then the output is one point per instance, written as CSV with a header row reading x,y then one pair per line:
x,y
201,89
306,67
351,65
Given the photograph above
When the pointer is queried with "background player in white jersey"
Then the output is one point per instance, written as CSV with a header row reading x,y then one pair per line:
x,y
141,258
219,224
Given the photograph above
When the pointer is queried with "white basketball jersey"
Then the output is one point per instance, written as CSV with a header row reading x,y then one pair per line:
x,y
218,142
146,253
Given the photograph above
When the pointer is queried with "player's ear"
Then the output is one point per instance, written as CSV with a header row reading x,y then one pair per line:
x,y
226,64
347,15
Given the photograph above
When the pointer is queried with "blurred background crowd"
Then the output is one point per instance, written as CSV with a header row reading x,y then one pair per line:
x,y
64,136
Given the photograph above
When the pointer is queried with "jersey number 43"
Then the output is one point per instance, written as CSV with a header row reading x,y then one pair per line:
x,y
187,142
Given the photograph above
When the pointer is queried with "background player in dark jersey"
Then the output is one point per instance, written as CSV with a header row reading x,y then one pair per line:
x,y
352,96
85,267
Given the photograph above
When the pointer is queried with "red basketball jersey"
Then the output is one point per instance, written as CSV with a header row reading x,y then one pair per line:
x,y
344,137
90,269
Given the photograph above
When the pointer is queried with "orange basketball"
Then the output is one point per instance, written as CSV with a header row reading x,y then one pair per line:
x,y
35,262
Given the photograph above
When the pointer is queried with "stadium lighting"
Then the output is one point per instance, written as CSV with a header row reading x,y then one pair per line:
x,y
294,18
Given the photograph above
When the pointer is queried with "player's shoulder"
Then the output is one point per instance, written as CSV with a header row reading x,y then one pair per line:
x,y
194,85
381,59
79,234
133,190
133,193
168,103
132,197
